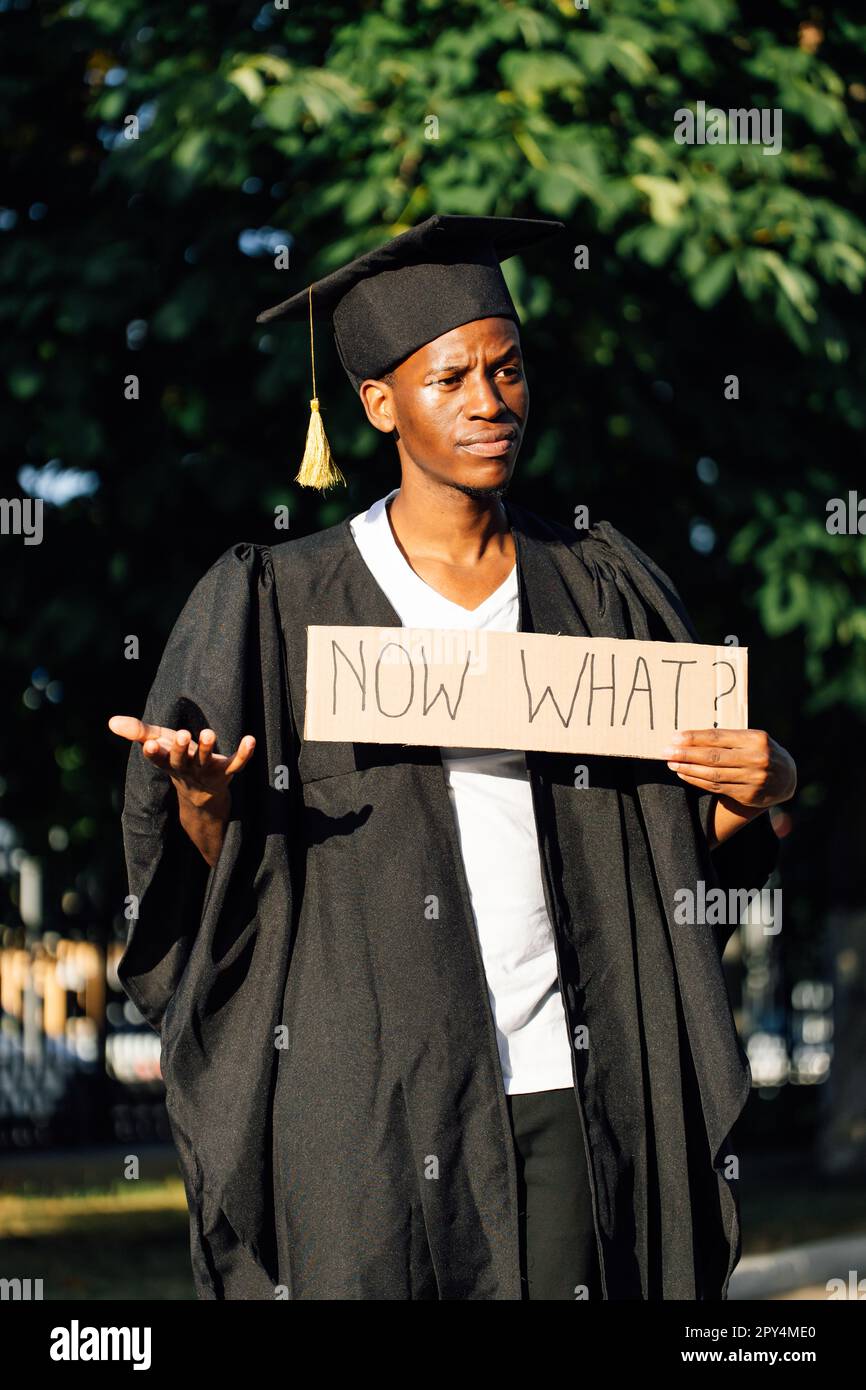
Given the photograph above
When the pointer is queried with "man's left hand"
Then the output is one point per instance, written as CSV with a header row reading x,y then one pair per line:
x,y
744,764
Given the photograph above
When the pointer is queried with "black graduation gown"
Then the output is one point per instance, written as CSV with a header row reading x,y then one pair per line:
x,y
328,1048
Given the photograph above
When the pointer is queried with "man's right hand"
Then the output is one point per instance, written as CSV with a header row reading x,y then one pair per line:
x,y
201,776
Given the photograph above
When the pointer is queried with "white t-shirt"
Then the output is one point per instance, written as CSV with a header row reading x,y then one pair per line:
x,y
492,801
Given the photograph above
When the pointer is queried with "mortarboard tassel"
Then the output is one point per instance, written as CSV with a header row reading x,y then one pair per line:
x,y
317,468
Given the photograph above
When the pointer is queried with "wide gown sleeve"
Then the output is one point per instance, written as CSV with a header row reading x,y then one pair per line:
x,y
217,660
208,953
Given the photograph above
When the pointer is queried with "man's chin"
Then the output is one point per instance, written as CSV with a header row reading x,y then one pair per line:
x,y
481,493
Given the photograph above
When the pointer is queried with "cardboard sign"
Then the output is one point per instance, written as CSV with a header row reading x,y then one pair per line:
x,y
517,690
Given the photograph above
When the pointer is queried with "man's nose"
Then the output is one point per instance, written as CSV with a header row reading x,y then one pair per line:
x,y
483,396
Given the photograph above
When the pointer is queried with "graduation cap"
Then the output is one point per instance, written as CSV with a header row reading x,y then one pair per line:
x,y
389,302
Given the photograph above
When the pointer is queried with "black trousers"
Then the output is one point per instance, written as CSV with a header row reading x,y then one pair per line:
x,y
558,1252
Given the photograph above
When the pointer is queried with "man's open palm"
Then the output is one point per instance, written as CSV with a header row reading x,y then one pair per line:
x,y
197,770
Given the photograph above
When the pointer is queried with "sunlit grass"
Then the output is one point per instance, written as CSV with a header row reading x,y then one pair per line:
x,y
125,1240
31,1214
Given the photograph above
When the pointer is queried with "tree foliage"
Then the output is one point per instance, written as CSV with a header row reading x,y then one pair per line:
x,y
329,128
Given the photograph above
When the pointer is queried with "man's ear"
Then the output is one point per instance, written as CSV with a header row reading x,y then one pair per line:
x,y
377,398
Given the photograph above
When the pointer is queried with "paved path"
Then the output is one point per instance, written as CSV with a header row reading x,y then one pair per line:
x,y
802,1271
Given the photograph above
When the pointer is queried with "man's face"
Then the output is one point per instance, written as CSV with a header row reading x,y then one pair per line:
x,y
458,406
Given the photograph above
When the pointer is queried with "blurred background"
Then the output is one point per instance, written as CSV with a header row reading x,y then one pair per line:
x,y
698,377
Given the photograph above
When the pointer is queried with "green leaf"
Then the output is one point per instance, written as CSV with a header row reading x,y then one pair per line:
x,y
714,280
667,198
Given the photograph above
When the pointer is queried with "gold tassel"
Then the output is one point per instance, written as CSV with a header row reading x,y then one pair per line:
x,y
317,469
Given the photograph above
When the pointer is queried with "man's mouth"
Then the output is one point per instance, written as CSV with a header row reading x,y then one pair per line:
x,y
491,444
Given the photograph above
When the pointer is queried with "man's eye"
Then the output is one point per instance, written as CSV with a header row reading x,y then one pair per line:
x,y
447,380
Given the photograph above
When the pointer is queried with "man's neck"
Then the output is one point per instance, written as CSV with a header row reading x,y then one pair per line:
x,y
446,526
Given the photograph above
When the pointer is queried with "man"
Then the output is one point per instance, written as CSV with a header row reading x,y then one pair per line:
x,y
429,1026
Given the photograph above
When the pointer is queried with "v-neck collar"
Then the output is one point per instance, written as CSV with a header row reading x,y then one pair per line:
x,y
412,577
